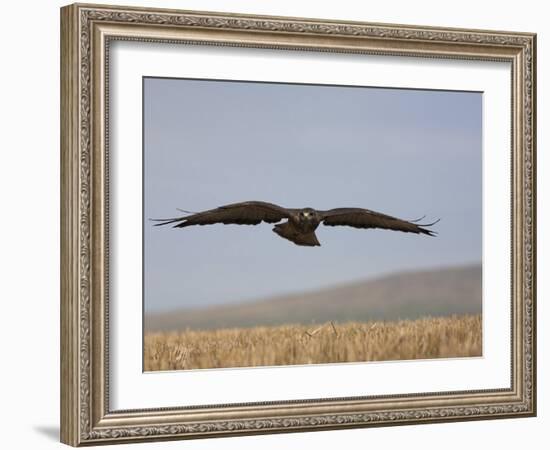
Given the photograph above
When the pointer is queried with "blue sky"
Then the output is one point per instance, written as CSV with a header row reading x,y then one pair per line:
x,y
402,152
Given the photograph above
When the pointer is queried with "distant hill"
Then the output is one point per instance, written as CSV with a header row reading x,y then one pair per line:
x,y
406,295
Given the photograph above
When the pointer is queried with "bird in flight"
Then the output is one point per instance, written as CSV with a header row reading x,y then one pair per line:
x,y
300,224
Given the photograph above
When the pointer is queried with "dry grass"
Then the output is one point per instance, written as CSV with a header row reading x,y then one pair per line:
x,y
454,336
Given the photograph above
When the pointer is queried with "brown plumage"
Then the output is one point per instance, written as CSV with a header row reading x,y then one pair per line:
x,y
300,224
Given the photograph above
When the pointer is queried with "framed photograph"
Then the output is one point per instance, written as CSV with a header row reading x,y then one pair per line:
x,y
276,224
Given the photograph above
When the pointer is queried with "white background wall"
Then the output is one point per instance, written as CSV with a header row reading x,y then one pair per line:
x,y
29,222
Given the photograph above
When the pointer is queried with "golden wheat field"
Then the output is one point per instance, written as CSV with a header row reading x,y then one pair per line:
x,y
455,336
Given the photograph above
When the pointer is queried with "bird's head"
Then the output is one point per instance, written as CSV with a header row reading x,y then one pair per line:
x,y
308,215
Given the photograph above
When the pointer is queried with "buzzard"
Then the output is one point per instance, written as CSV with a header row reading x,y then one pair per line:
x,y
300,224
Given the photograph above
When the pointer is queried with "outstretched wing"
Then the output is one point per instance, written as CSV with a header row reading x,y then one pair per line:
x,y
364,218
245,213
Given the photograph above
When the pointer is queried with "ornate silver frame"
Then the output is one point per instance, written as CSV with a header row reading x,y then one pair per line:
x,y
86,31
